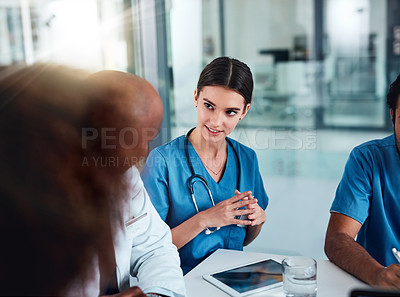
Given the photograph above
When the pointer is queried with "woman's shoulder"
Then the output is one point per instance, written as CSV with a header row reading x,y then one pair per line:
x,y
241,148
162,156
172,148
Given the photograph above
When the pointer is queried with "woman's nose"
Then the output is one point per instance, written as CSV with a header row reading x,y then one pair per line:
x,y
216,119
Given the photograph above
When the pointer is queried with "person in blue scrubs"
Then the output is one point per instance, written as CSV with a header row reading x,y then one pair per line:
x,y
222,98
367,205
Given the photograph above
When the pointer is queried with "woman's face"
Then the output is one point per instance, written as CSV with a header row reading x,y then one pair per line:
x,y
218,111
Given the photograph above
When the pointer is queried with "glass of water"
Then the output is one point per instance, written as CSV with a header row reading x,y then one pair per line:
x,y
299,277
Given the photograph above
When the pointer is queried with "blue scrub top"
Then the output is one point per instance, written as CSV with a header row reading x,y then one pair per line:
x,y
369,192
165,177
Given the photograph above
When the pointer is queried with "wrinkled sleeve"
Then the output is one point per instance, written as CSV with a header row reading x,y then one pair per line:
x,y
155,179
259,190
354,190
154,259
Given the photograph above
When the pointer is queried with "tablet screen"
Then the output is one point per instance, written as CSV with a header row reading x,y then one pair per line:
x,y
252,276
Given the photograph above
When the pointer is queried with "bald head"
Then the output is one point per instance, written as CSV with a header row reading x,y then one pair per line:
x,y
132,94
133,107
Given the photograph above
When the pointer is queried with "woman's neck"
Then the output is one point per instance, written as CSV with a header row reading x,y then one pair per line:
x,y
213,150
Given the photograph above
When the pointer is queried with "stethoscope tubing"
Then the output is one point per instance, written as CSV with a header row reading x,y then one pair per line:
x,y
199,178
186,144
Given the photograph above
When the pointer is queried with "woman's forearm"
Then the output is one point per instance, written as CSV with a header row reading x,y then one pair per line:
x,y
186,231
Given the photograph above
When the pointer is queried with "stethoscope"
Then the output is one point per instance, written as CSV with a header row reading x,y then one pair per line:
x,y
198,178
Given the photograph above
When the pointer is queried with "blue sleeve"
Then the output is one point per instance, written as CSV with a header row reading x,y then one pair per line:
x,y
354,190
155,179
259,190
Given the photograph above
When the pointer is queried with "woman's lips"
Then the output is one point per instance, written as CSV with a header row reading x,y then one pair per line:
x,y
213,131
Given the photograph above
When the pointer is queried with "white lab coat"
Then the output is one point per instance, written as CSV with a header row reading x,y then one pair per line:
x,y
144,253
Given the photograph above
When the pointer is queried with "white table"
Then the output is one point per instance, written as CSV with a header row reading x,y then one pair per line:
x,y
331,280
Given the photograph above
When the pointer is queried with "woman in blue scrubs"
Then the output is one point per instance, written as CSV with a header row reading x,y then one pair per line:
x,y
234,215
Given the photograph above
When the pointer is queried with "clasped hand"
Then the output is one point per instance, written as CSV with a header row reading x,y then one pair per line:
x,y
224,213
257,217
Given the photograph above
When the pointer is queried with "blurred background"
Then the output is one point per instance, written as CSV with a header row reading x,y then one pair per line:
x,y
321,69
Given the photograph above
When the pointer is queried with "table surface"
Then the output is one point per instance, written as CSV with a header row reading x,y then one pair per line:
x,y
331,280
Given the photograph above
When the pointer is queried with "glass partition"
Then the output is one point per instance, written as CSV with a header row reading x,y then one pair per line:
x,y
87,34
354,67
276,38
11,37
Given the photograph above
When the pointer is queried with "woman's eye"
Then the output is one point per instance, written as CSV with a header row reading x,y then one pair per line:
x,y
208,106
231,112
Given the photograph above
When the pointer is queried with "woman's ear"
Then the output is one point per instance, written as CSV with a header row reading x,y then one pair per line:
x,y
195,98
245,110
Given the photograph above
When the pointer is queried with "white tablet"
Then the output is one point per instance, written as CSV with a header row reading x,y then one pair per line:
x,y
247,279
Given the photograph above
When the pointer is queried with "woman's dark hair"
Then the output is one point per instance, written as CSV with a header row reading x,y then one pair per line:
x,y
230,73
53,208
393,96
